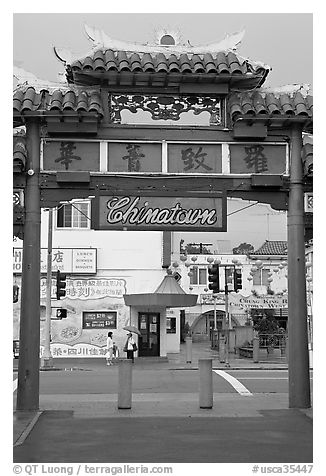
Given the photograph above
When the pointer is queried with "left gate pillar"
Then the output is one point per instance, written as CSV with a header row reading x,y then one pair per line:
x,y
29,338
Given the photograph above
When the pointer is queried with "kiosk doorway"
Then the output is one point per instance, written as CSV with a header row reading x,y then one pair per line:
x,y
149,340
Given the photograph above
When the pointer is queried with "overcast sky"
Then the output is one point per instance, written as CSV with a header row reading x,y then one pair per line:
x,y
281,40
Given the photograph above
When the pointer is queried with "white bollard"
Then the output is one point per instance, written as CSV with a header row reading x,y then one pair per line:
x,y
188,350
255,349
205,383
221,349
125,384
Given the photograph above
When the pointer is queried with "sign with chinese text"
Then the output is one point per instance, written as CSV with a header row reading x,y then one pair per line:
x,y
67,260
59,350
99,319
96,288
71,156
134,157
258,158
195,158
209,299
206,212
260,302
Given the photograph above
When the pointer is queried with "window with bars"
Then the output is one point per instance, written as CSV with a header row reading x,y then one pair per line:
x,y
199,275
74,215
260,278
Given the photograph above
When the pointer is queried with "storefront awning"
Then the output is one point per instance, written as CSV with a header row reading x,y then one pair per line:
x,y
168,294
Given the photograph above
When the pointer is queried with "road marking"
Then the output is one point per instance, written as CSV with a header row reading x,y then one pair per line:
x,y
234,382
15,383
262,378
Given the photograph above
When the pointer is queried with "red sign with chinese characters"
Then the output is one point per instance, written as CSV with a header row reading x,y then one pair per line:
x,y
258,158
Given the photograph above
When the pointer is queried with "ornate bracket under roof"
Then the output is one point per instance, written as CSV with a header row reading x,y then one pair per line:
x,y
165,107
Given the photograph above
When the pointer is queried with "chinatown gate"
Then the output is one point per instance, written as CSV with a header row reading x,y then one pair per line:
x,y
162,176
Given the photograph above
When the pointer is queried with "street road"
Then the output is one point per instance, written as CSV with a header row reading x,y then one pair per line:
x,y
105,381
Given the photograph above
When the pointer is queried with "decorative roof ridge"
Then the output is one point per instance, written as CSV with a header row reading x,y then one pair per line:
x,y
102,42
288,89
51,87
26,79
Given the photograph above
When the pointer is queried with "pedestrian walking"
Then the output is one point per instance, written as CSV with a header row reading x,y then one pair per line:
x,y
130,347
109,353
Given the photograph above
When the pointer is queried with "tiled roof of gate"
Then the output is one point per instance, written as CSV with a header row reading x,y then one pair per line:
x,y
104,60
29,100
272,248
263,104
250,105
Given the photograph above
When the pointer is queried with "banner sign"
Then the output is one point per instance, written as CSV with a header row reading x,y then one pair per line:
x,y
195,158
71,156
133,157
196,213
209,299
258,158
260,302
67,260
95,288
99,319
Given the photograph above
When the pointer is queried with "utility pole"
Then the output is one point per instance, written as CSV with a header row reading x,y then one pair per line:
x,y
299,378
47,359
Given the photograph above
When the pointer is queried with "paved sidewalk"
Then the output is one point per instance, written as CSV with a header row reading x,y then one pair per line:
x,y
165,427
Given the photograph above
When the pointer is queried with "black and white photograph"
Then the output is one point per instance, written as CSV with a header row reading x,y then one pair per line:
x,y
162,242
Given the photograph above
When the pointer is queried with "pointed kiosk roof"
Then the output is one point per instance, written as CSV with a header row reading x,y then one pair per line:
x,y
168,294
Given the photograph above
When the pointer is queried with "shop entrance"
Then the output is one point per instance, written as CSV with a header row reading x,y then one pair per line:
x,y
149,340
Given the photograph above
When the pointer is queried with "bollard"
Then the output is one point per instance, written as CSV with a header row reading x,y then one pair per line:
x,y
188,349
221,348
125,381
205,383
255,350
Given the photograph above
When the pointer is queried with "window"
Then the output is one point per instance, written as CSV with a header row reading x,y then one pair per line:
x,y
199,275
260,277
74,215
171,325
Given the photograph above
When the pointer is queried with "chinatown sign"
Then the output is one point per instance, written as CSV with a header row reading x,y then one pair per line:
x,y
258,302
204,212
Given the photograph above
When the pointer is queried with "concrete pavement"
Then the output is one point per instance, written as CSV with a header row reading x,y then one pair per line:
x,y
90,428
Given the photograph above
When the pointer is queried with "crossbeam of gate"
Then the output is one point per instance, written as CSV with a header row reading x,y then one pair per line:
x,y
62,186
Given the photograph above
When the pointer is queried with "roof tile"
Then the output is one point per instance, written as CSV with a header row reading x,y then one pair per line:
x,y
186,63
272,248
28,100
245,104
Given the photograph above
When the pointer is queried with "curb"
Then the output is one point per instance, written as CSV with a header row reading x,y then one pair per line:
x,y
20,440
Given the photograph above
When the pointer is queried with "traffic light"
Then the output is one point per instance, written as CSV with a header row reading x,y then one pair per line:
x,y
16,293
214,278
61,313
307,159
61,285
237,278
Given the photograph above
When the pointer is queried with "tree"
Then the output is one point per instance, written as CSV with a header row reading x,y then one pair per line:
x,y
243,249
266,325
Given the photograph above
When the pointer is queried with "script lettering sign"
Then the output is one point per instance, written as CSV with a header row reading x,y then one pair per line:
x,y
195,213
